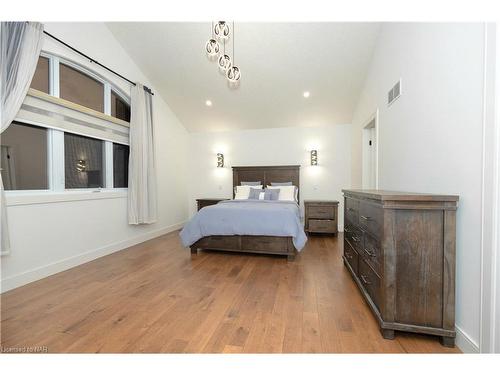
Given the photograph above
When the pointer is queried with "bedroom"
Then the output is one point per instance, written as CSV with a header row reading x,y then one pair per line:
x,y
231,223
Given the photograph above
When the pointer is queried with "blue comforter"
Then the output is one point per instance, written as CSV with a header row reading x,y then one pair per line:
x,y
246,217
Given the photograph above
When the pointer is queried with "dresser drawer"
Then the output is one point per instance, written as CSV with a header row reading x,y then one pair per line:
x,y
355,237
353,234
351,256
321,212
348,231
370,281
322,226
261,243
371,218
352,210
372,252
220,242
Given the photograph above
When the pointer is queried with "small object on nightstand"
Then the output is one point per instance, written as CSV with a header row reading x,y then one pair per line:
x,y
204,202
321,216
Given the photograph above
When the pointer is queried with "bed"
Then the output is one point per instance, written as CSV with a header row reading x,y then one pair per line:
x,y
262,227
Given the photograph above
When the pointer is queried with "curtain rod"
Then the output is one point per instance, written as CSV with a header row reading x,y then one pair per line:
x,y
96,62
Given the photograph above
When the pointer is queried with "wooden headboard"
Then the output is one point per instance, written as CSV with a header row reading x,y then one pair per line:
x,y
267,174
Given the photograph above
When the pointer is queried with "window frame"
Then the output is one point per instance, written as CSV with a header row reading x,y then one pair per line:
x,y
56,190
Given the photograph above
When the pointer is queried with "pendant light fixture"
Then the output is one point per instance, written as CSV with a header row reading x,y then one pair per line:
x,y
221,30
212,47
224,60
233,74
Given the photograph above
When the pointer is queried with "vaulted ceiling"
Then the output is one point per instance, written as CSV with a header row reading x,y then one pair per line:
x,y
278,62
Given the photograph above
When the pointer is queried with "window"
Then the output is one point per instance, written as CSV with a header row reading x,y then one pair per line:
x,y
40,80
119,107
69,148
79,88
24,157
120,165
83,162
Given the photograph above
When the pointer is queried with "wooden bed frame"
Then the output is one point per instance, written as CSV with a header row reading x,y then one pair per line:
x,y
255,244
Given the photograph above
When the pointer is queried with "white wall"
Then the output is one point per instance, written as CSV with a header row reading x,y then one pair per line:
x,y
280,146
431,137
49,237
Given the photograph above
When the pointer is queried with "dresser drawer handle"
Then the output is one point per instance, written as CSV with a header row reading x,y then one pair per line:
x,y
367,218
365,280
370,253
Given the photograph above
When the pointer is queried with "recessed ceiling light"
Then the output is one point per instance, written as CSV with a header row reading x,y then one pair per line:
x,y
208,103
306,94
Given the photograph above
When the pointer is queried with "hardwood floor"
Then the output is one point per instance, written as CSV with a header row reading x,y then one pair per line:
x,y
154,298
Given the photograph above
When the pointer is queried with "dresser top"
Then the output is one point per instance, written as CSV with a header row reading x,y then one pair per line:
x,y
387,195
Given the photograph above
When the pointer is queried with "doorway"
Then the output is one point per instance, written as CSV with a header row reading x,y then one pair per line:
x,y
370,153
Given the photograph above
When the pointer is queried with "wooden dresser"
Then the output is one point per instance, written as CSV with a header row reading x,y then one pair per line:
x,y
204,202
400,250
321,216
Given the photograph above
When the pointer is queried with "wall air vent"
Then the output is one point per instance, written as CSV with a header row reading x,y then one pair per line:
x,y
394,93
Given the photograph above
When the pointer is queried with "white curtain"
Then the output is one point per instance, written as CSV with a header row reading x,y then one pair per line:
x,y
20,46
142,201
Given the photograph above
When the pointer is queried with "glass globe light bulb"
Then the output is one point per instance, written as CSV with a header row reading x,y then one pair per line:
x,y
233,74
212,47
221,30
224,63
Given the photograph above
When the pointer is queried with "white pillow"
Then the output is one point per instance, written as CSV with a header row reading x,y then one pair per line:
x,y
287,193
243,191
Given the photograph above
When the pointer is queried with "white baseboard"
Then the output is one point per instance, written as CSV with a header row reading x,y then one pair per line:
x,y
465,343
35,274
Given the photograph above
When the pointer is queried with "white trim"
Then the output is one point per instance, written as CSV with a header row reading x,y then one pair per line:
x,y
22,198
107,98
490,190
108,165
38,273
495,279
373,117
56,152
464,342
53,76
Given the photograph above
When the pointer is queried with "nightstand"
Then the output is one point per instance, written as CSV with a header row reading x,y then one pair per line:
x,y
204,202
321,216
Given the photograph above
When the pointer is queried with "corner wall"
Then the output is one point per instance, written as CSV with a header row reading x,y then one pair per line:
x,y
47,238
430,139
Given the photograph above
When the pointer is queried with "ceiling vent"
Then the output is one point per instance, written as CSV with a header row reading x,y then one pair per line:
x,y
394,93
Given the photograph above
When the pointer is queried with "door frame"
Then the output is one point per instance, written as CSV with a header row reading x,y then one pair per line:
x,y
374,117
489,335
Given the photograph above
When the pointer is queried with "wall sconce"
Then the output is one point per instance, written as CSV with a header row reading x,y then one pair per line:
x,y
81,166
314,157
220,160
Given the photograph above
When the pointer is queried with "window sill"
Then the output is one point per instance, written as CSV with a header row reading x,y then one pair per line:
x,y
21,198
